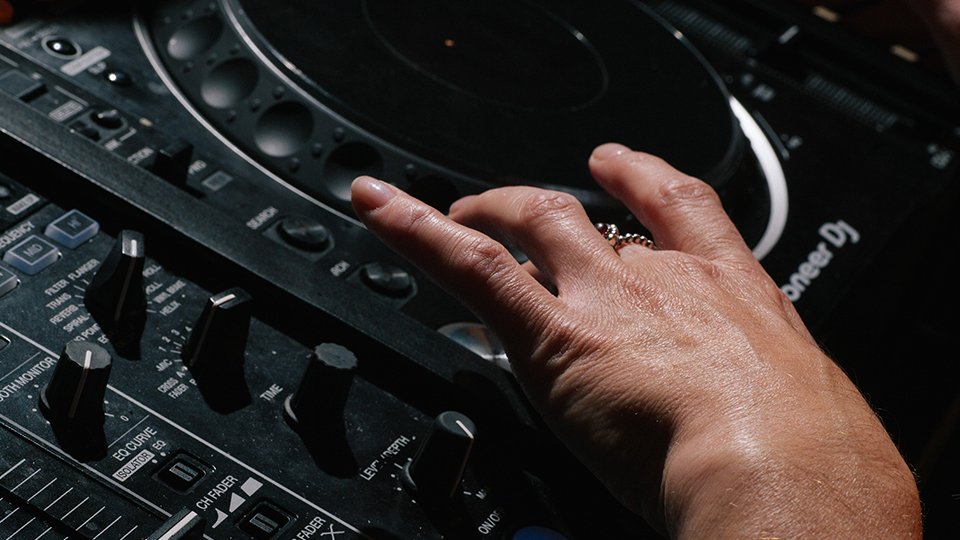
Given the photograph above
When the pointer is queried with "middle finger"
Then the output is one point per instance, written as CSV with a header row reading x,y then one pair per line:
x,y
550,227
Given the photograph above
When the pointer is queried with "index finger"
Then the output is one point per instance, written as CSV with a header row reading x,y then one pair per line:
x,y
475,268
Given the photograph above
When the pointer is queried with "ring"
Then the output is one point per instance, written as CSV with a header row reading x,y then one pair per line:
x,y
612,235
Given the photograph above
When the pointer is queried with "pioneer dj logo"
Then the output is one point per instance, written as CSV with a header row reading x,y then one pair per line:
x,y
836,235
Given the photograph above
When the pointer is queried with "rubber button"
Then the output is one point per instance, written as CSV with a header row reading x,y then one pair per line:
x,y
304,233
72,229
264,521
181,474
387,279
32,255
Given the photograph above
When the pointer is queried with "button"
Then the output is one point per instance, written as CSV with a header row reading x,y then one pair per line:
x,y
537,533
387,279
8,281
62,47
264,521
20,85
182,473
304,233
6,192
32,255
72,229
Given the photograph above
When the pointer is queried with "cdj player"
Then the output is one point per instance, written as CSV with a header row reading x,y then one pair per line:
x,y
199,339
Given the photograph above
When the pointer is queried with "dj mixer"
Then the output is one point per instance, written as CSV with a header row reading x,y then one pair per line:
x,y
198,338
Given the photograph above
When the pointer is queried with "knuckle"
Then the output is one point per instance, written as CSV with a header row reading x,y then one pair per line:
x,y
682,190
480,254
548,206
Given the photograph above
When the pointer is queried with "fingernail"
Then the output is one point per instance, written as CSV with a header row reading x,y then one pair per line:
x,y
369,193
609,150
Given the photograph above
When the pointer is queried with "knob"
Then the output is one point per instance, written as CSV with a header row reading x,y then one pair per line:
x,y
116,297
172,162
214,352
438,465
73,399
315,410
107,118
319,400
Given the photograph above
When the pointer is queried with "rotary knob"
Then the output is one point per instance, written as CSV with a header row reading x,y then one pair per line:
x,y
319,400
315,410
73,399
116,297
437,467
214,352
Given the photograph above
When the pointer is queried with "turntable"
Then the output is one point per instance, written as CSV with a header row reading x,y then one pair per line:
x,y
449,99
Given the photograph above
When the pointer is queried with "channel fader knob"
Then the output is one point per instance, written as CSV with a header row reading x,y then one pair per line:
x,y
73,399
214,352
116,297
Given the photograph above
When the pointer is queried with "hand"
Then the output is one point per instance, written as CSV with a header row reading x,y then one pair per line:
x,y
682,377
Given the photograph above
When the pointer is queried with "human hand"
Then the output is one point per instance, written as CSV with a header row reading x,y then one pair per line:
x,y
682,377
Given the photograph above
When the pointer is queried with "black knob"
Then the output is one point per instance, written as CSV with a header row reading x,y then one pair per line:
x,y
117,288
116,297
438,466
107,118
315,411
172,162
319,400
73,399
214,352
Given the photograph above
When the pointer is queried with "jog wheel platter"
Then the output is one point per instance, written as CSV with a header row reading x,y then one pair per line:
x,y
446,99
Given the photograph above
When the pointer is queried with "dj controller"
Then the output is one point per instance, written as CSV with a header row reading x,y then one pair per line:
x,y
198,338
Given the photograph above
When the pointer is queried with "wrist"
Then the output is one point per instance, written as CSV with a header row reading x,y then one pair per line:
x,y
806,471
